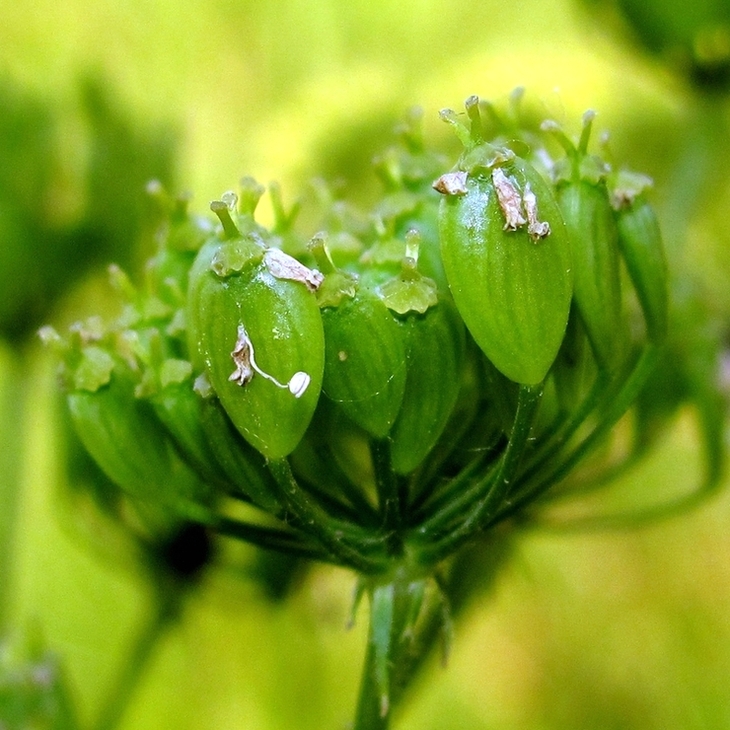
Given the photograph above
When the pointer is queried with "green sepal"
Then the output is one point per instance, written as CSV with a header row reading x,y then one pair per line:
x,y
365,361
512,289
597,282
409,291
93,369
337,284
435,348
425,222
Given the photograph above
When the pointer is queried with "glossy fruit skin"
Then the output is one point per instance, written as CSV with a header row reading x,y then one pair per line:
x,y
179,409
243,466
512,292
574,367
199,277
597,281
641,245
435,352
284,325
365,361
125,438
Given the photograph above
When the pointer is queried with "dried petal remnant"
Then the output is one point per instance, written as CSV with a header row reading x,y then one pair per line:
x,y
509,200
452,183
243,357
535,227
283,266
627,187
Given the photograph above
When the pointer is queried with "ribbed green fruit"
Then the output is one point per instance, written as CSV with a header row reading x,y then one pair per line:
x,y
574,366
597,282
244,467
640,241
260,340
509,269
365,361
435,343
179,409
131,446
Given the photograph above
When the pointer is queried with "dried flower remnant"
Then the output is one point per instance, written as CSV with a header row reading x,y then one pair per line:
x,y
535,227
509,200
283,266
243,357
452,183
627,187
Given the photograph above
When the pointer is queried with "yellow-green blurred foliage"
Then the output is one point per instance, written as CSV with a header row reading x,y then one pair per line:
x,y
609,630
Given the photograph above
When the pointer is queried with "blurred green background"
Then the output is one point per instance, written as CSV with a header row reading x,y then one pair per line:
x,y
626,629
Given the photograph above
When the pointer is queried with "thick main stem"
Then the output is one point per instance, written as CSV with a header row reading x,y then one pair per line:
x,y
395,606
369,706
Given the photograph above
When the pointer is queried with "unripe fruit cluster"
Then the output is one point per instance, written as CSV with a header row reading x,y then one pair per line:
x,y
382,370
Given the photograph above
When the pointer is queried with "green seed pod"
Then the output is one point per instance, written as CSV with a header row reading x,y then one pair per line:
x,y
244,467
506,254
425,221
365,361
179,409
574,366
594,239
256,327
334,458
198,276
640,241
584,201
364,354
433,338
466,432
123,435
435,343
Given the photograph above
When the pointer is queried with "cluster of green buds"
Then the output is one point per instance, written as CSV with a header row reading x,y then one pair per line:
x,y
387,386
